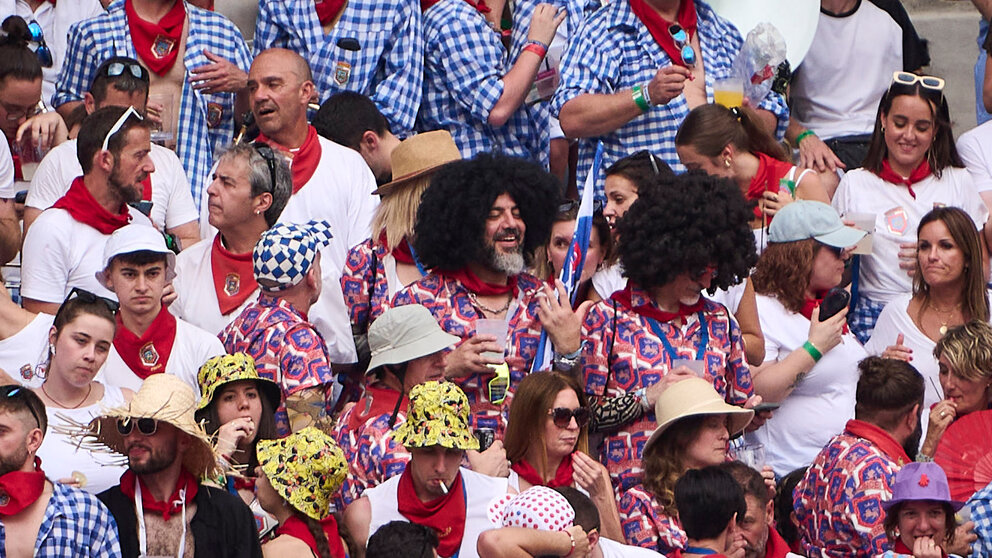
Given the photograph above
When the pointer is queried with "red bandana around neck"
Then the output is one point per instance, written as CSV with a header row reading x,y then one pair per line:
x,y
880,438
157,44
446,515
234,278
328,10
770,171
84,208
471,281
296,528
624,298
401,252
810,303
149,354
377,401
776,547
148,502
20,489
304,160
918,174
563,475
658,26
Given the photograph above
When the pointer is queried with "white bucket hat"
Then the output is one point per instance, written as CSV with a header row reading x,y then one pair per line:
x,y
136,238
404,333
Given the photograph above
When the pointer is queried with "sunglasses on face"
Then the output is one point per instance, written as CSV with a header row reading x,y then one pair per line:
x,y
146,426
38,36
681,38
17,392
88,298
562,417
14,113
839,252
710,271
270,161
118,68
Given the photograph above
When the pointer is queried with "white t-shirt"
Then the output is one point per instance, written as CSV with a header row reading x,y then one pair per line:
x,y
60,455
846,71
24,355
975,149
897,216
196,300
172,202
7,190
613,549
609,280
820,406
191,349
60,253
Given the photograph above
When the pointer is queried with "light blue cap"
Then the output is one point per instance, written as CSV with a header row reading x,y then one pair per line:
x,y
803,219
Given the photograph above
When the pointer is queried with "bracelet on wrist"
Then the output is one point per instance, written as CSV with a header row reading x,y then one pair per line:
x,y
571,539
813,351
639,99
646,91
537,47
804,135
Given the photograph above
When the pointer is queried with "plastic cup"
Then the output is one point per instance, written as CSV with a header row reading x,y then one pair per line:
x,y
729,92
163,133
865,222
752,455
496,328
697,366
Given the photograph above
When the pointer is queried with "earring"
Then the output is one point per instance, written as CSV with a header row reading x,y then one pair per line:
x,y
257,212
51,348
726,163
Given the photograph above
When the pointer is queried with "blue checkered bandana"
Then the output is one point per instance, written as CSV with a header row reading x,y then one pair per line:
x,y
284,254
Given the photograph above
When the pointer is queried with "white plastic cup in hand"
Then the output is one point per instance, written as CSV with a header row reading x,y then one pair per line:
x,y
697,366
729,92
163,133
496,328
865,222
752,455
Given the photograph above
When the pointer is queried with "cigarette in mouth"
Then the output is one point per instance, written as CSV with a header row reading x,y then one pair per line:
x,y
444,487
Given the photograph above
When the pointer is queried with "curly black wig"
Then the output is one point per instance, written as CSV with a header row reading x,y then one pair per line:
x,y
686,223
453,211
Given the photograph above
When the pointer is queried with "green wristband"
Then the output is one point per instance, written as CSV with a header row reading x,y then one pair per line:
x,y
804,135
639,99
813,351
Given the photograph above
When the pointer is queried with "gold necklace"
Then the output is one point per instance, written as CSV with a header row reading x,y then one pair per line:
x,y
939,312
89,389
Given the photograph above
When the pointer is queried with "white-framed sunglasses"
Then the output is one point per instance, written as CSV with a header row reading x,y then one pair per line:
x,y
932,83
119,124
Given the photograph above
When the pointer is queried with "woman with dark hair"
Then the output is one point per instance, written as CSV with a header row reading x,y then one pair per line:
x,y
547,444
919,518
811,364
694,429
948,290
550,258
912,166
22,110
689,234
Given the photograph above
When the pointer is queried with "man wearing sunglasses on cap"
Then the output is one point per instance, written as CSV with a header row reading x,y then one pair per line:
x,y
75,522
64,249
120,82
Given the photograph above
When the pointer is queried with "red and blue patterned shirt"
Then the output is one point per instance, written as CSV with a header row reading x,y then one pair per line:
x,y
364,284
645,523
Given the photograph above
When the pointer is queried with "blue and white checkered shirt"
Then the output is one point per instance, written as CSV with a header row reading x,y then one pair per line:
x,y
614,51
206,120
981,513
75,524
388,67
463,70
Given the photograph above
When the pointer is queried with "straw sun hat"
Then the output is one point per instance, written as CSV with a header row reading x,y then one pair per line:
x,y
694,397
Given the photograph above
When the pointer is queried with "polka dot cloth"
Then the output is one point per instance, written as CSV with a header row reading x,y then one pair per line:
x,y
538,508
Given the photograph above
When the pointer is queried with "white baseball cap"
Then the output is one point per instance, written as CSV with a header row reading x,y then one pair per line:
x,y
136,238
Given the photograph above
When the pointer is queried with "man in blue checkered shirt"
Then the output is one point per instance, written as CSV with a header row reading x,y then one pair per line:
x,y
474,89
980,505
201,61
39,517
621,84
372,47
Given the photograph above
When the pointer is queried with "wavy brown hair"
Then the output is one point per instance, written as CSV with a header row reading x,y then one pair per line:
x,y
531,402
783,271
710,128
968,350
663,463
974,299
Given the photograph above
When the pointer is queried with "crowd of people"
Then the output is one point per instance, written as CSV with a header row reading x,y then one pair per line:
x,y
305,287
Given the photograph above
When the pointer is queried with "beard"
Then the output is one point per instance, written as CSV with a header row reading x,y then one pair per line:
x,y
14,462
912,444
510,263
158,459
128,192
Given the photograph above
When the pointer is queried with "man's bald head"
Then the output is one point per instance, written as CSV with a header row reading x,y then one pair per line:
x,y
288,59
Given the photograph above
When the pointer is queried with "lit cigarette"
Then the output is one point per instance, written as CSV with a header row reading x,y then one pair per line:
x,y
444,487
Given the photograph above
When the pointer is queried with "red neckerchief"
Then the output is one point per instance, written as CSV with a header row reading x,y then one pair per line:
x,y
472,282
880,438
305,159
810,303
658,26
149,354
157,44
776,547
918,174
479,5
296,528
21,488
18,170
148,501
328,10
901,548
401,252
563,476
446,515
648,310
146,188
770,171
376,402
244,483
234,278
83,207
426,4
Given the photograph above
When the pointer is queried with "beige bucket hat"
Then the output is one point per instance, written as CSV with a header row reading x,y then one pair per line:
x,y
404,333
693,397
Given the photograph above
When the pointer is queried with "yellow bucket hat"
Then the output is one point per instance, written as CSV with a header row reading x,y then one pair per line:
x,y
438,415
305,468
224,369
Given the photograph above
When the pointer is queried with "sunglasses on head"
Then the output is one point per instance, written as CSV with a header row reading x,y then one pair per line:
x,y
17,392
146,426
115,69
562,417
573,205
38,36
681,38
927,82
131,111
88,298
265,150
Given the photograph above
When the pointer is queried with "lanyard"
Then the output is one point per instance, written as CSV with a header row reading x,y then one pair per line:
x,y
143,533
416,260
672,355
699,550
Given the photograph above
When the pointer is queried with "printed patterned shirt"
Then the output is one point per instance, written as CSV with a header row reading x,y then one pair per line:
x,y
621,353
452,307
206,120
388,66
613,51
463,70
645,523
286,347
356,284
75,524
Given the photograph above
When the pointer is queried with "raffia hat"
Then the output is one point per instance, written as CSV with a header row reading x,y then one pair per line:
x,y
165,398
438,415
693,397
419,155
305,468
224,369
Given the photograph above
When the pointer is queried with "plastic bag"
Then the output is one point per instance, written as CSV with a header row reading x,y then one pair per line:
x,y
763,50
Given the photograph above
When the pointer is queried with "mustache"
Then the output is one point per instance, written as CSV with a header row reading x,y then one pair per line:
x,y
507,234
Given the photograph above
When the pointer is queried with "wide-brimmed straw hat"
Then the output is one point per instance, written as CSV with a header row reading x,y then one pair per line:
x,y
305,468
438,415
405,333
694,397
224,369
419,155
165,398
921,481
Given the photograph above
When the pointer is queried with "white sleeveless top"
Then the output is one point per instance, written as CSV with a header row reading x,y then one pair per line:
x,y
480,490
